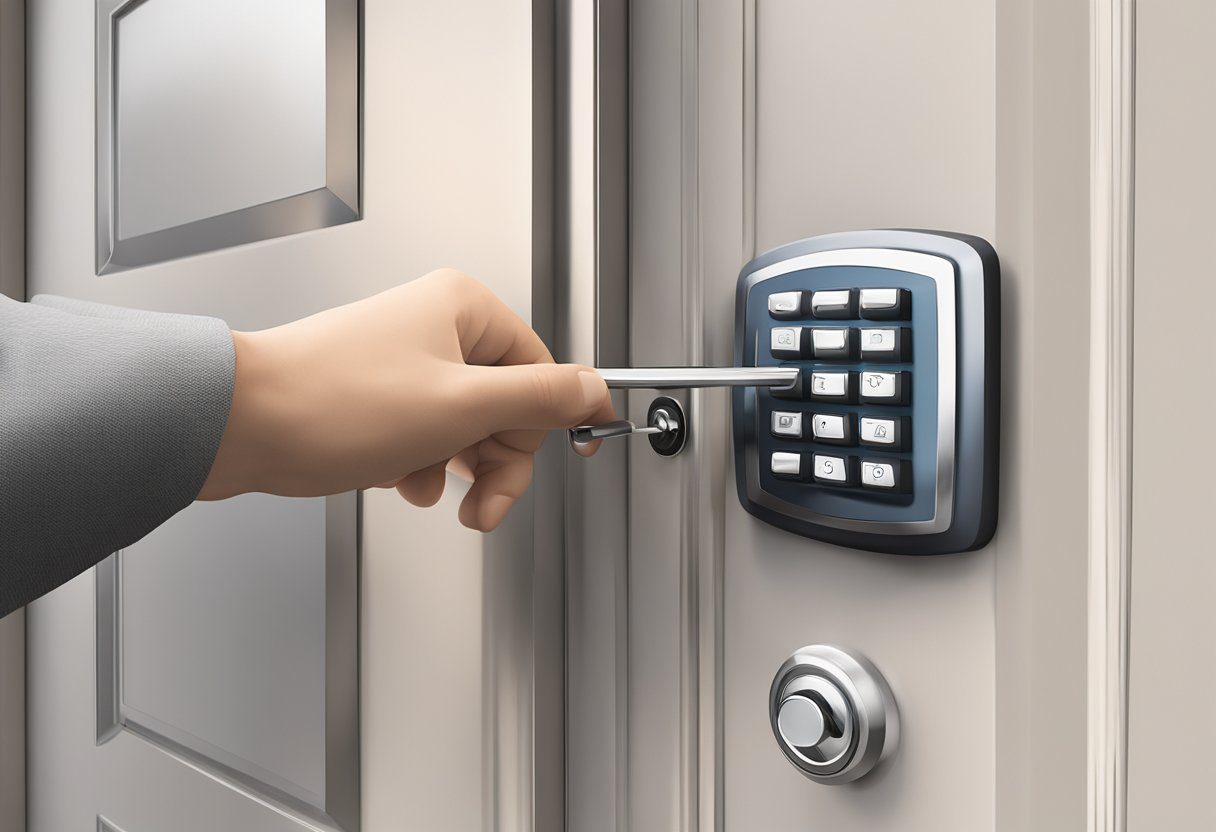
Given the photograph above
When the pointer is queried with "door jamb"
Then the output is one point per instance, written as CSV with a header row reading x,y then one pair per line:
x,y
12,284
1112,235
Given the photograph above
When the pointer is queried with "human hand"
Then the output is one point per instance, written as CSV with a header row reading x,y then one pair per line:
x,y
396,389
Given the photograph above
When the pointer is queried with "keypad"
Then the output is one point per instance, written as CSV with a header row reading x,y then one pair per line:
x,y
887,438
860,370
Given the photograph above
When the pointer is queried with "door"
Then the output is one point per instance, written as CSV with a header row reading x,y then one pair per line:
x,y
268,664
755,124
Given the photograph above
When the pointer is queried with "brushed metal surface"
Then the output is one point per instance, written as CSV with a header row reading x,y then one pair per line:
x,y
262,696
222,123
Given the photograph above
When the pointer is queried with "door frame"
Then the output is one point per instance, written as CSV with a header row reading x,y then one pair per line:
x,y
1112,241
12,283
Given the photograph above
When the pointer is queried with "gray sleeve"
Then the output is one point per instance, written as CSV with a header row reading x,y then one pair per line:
x,y
110,420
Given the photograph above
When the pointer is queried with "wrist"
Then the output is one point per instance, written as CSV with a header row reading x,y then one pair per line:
x,y
247,448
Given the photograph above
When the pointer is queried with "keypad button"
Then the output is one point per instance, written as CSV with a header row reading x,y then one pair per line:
x,y
886,344
786,464
832,428
886,304
884,387
785,305
786,341
884,433
787,424
794,393
883,474
832,342
832,387
836,470
832,303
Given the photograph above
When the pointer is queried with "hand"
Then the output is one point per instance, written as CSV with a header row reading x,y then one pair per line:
x,y
394,390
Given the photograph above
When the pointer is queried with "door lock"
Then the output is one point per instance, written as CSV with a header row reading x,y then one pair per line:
x,y
666,425
833,714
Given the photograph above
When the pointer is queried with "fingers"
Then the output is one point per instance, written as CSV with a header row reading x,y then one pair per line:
x,y
502,475
605,413
489,332
535,396
424,487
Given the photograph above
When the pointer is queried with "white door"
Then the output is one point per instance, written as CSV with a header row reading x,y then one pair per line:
x,y
755,124
272,664
687,137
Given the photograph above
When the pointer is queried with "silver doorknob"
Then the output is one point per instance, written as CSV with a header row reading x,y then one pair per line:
x,y
801,721
833,714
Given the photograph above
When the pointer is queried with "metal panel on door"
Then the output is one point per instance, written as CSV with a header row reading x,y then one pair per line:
x,y
216,675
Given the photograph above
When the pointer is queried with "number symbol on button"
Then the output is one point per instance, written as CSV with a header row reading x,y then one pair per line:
x,y
828,468
820,385
880,431
823,424
878,472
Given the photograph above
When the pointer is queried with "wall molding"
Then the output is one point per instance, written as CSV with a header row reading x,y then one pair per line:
x,y
1112,75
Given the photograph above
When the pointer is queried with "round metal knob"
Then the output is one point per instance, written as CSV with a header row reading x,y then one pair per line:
x,y
801,721
833,714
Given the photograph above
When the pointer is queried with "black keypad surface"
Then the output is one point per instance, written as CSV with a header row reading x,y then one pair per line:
x,y
888,440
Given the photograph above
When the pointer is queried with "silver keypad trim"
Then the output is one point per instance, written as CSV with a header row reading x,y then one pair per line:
x,y
941,272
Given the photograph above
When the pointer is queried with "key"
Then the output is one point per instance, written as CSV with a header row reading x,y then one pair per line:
x,y
667,378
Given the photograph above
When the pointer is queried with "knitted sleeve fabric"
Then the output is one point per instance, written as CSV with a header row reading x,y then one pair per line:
x,y
110,420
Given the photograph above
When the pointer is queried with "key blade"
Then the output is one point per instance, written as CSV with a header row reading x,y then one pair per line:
x,y
666,378
589,433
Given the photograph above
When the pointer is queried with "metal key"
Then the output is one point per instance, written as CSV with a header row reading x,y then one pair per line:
x,y
663,378
667,378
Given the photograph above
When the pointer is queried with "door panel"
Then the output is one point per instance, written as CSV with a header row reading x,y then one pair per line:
x,y
753,125
448,619
867,116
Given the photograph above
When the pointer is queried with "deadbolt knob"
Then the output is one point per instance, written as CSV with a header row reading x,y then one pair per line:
x,y
801,721
832,713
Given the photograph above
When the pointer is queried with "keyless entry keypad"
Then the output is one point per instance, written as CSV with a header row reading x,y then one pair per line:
x,y
868,448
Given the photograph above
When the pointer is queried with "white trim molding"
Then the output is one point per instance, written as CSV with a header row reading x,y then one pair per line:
x,y
1112,51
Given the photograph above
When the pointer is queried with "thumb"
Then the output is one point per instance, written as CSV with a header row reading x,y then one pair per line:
x,y
539,396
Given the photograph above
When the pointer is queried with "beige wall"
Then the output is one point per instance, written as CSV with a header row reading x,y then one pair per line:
x,y
1172,724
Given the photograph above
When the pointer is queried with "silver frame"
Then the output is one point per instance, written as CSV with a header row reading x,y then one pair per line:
x,y
942,272
339,808
336,203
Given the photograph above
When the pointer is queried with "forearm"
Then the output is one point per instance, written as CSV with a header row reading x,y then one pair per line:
x,y
109,422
